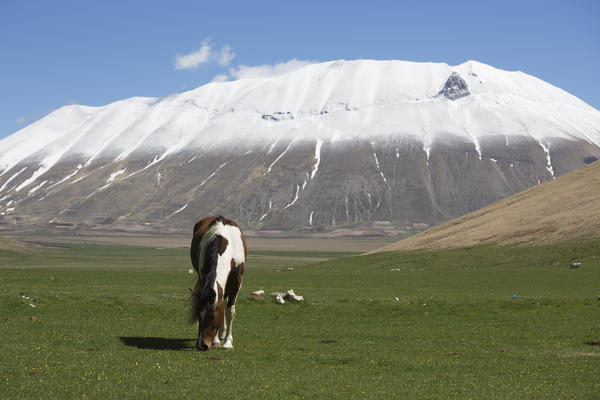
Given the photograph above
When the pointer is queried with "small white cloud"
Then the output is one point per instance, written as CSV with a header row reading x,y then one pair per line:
x,y
258,71
220,78
266,70
225,56
21,121
204,55
195,58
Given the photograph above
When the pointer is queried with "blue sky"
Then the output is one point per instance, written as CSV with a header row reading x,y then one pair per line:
x,y
55,53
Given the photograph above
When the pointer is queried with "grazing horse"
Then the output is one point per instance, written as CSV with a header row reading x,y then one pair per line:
x,y
218,252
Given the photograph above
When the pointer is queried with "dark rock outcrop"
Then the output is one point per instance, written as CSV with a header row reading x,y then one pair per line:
x,y
454,88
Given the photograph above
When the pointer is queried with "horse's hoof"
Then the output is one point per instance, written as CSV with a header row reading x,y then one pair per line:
x,y
227,346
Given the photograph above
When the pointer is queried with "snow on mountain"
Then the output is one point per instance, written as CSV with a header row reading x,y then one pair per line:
x,y
377,102
400,96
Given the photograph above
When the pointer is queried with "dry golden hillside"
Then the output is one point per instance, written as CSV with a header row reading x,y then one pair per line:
x,y
567,208
6,244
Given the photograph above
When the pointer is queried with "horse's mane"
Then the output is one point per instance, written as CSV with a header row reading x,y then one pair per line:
x,y
203,292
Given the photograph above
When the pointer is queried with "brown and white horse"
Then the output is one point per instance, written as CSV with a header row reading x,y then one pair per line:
x,y
218,252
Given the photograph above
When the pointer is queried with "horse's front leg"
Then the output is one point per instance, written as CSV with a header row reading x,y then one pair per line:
x,y
232,288
199,341
229,317
221,334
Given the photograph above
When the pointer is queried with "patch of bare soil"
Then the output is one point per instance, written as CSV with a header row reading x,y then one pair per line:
x,y
564,209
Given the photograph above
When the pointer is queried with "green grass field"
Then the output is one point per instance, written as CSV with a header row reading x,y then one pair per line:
x,y
109,322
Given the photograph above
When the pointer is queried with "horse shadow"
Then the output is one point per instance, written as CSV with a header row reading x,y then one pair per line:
x,y
158,343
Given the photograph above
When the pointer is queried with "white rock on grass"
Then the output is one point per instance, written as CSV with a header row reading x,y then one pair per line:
x,y
278,297
293,296
289,295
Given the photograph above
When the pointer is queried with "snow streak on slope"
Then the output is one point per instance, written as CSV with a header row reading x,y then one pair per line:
x,y
277,159
11,178
295,198
211,175
66,178
33,190
114,175
548,160
317,158
267,213
177,211
380,173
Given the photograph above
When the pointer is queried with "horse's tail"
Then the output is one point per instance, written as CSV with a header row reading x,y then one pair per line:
x,y
203,292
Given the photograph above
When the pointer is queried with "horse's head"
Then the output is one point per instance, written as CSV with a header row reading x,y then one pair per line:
x,y
210,317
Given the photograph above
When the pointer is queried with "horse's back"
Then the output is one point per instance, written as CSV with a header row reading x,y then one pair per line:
x,y
209,227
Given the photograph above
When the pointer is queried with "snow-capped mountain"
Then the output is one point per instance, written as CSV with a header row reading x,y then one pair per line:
x,y
334,143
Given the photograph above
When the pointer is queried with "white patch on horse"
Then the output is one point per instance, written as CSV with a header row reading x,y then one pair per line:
x,y
234,250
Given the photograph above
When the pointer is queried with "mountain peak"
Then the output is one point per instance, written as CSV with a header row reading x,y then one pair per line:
x,y
454,88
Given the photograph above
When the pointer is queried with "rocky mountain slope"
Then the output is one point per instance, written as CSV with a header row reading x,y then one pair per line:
x,y
560,210
331,144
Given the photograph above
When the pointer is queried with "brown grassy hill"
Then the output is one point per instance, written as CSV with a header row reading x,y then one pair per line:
x,y
567,208
6,244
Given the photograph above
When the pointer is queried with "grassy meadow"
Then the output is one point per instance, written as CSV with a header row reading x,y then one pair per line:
x,y
108,321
